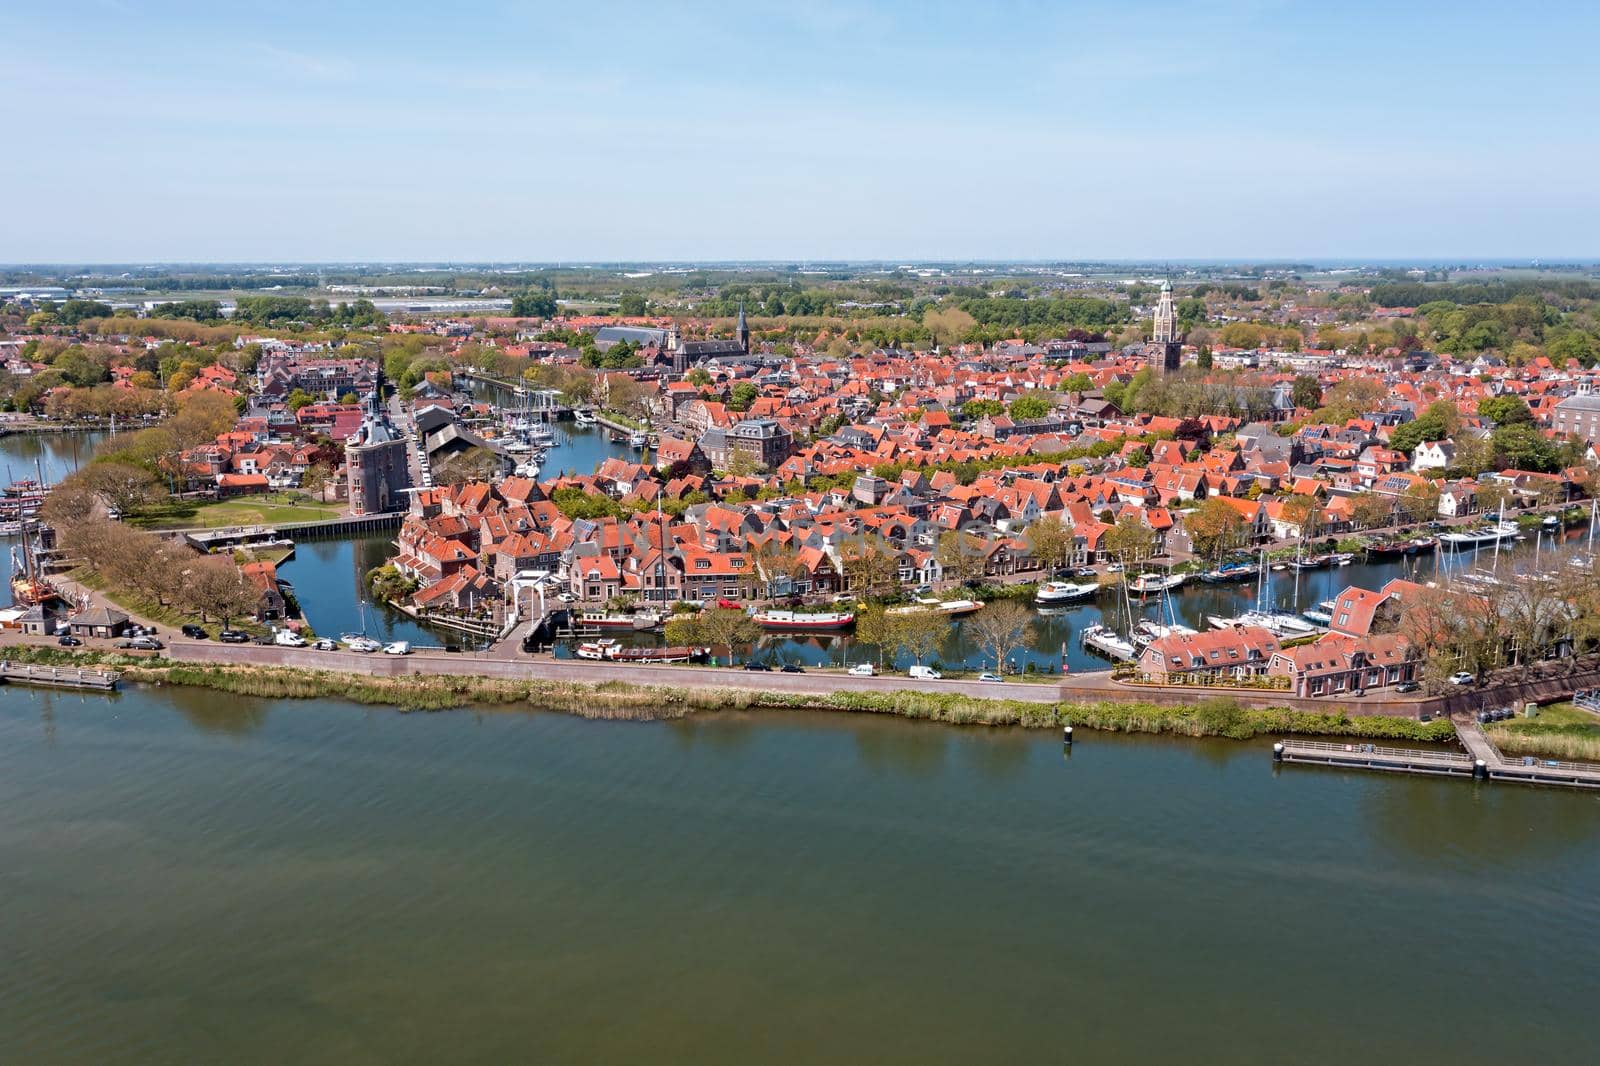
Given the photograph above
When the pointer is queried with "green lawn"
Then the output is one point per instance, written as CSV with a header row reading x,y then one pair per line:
x,y
272,509
168,617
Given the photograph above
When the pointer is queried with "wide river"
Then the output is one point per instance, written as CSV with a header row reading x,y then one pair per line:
x,y
189,877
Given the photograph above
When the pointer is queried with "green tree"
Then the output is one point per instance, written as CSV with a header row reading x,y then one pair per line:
x,y
1215,528
1508,410
742,396
1307,392
1028,407
976,409
1051,541
533,303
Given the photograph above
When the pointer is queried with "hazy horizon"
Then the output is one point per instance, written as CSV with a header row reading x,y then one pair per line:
x,y
1236,131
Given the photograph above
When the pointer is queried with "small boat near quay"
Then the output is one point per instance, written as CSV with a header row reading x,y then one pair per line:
x,y
1280,624
1147,630
1322,613
1052,593
1242,570
1106,641
1153,584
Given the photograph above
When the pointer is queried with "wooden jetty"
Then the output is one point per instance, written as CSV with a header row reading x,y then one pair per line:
x,y
1481,761
58,676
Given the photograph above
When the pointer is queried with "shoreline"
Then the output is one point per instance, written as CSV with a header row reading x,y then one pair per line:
x,y
630,701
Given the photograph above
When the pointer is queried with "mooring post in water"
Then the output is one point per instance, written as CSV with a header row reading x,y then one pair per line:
x,y
1480,770
1066,736
1277,752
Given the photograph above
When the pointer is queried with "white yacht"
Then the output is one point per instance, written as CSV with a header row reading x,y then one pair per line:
x,y
1055,592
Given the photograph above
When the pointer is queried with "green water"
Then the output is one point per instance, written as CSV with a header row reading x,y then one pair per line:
x,y
194,878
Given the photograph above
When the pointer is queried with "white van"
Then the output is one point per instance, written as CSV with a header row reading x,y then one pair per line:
x,y
288,638
863,670
924,673
398,647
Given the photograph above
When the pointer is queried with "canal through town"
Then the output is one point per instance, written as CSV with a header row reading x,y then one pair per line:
x,y
193,877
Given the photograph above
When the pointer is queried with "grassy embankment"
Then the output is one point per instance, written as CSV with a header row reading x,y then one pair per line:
x,y
168,617
618,700
276,508
1561,731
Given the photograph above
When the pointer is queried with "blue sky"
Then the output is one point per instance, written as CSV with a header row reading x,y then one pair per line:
x,y
145,131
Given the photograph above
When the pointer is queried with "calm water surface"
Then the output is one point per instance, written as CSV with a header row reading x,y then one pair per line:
x,y
188,877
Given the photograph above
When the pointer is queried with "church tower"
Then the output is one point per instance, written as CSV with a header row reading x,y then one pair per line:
x,y
1165,350
742,330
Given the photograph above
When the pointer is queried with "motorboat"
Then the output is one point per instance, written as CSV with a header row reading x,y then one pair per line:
x,y
1151,584
1322,613
584,417
1146,631
1057,592
1106,641
1280,624
638,439
1241,570
1342,558
1311,562
595,650
805,621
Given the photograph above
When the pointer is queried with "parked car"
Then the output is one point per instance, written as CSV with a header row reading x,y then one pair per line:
x,y
922,590
729,605
924,673
1462,677
234,636
1408,686
990,677
399,647
566,597
324,644
753,665
193,632
793,668
863,670
67,640
141,644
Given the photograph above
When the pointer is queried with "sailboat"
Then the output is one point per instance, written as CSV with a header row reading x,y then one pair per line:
x,y
360,641
1280,624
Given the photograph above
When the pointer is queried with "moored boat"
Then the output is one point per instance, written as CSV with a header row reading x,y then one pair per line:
x,y
1107,641
639,621
953,608
805,621
1242,570
1150,584
1057,592
1477,538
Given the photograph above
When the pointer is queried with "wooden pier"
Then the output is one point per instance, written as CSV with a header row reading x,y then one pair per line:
x,y
1481,761
58,676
